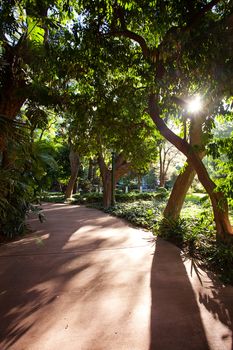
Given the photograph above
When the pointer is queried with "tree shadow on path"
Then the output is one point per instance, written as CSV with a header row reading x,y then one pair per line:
x,y
71,265
217,299
175,317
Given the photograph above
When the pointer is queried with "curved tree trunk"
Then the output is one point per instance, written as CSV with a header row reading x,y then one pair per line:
x,y
74,166
218,200
185,179
178,194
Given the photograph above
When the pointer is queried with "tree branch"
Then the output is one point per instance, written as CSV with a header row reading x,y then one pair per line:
x,y
136,37
119,14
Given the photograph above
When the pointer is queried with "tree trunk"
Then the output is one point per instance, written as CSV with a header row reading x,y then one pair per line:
x,y
75,186
161,179
13,87
178,194
106,176
161,168
218,200
107,190
185,179
121,168
74,166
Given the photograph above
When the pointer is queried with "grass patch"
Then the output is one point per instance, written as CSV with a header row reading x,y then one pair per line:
x,y
53,197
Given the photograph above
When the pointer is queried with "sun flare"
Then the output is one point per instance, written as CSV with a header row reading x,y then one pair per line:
x,y
195,105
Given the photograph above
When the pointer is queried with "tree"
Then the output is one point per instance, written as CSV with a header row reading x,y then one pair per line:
x,y
74,167
29,54
106,114
32,70
131,136
177,41
185,178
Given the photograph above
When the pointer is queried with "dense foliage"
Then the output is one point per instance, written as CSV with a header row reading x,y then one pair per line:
x,y
91,78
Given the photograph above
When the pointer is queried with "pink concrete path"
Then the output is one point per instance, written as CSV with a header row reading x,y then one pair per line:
x,y
84,280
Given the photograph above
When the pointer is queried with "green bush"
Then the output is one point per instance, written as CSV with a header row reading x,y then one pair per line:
x,y
16,198
95,197
52,197
133,196
172,230
197,237
92,197
220,256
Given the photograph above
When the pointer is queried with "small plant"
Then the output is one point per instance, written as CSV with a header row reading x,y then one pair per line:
x,y
172,230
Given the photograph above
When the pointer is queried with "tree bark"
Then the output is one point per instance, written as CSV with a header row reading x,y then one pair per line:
x,y
121,168
107,190
161,179
218,200
185,179
13,86
74,167
161,168
105,173
178,194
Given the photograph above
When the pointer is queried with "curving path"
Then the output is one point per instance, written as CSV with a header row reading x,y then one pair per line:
x,y
84,280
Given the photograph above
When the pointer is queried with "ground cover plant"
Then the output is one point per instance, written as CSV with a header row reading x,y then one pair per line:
x,y
193,232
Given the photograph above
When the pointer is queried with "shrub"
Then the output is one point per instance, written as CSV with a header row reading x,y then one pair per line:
x,y
53,197
219,257
140,213
133,196
92,197
172,230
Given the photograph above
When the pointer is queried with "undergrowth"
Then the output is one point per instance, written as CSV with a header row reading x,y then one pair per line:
x,y
197,237
141,213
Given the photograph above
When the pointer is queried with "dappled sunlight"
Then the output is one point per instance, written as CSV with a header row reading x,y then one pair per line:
x,y
21,315
175,317
214,301
94,281
87,286
189,305
57,206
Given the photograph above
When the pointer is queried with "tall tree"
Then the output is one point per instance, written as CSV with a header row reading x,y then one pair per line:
x,y
28,57
177,41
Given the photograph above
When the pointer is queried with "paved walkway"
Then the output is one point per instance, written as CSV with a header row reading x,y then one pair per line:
x,y
87,281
